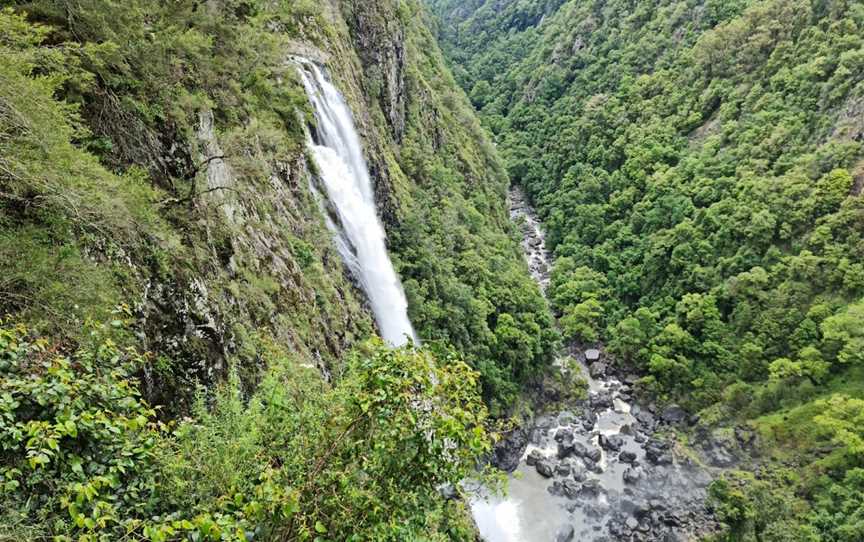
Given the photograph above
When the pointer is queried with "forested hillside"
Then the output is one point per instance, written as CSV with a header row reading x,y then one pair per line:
x,y
183,354
698,166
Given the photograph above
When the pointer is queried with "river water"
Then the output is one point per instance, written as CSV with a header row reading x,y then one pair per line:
x,y
600,471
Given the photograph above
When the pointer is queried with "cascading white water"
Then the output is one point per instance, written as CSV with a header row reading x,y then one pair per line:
x,y
359,234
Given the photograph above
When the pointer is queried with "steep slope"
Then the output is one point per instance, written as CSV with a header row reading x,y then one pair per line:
x,y
698,169
153,176
198,103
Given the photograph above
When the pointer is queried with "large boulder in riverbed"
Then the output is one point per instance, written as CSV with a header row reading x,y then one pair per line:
x,y
578,472
533,457
565,433
632,475
566,488
590,489
562,469
593,454
592,355
599,401
589,420
611,442
579,449
508,452
627,457
545,468
646,419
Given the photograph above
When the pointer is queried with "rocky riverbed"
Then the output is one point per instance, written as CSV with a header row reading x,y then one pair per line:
x,y
608,469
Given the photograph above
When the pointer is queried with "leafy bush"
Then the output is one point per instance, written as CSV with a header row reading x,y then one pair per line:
x,y
85,458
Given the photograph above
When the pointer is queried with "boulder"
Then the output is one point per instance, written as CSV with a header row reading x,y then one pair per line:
x,y
565,433
592,354
545,468
717,456
611,442
627,457
665,459
588,422
562,469
570,489
579,449
718,448
533,457
646,418
594,467
656,452
593,454
632,475
673,415
508,452
601,401
590,489
578,472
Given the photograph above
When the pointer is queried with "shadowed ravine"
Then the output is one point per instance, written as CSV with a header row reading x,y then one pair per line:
x,y
601,471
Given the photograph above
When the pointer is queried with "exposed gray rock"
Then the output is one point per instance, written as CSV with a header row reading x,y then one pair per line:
x,y
533,457
565,433
578,472
566,488
590,489
674,415
601,401
579,449
627,457
544,468
611,442
592,354
508,452
562,469
632,475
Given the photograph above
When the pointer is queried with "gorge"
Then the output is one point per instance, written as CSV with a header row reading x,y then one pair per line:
x,y
603,469
332,270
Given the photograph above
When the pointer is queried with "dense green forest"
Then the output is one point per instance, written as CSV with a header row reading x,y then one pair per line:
x,y
698,166
170,296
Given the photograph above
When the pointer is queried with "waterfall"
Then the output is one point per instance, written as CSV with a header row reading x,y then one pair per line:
x,y
359,234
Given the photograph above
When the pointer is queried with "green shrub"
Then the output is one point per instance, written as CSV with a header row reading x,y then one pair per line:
x,y
85,458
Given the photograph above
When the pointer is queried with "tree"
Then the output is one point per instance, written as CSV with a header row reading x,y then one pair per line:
x,y
583,321
843,334
481,94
